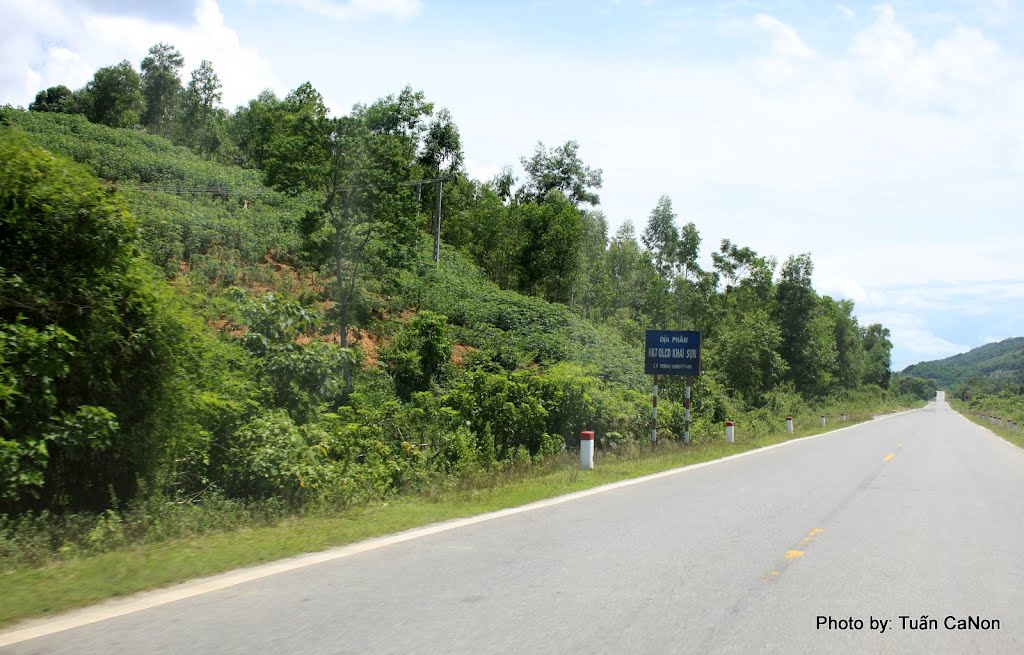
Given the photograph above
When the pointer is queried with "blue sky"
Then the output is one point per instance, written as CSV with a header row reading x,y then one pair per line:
x,y
884,138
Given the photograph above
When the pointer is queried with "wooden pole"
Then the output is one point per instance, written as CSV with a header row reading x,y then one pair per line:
x,y
437,224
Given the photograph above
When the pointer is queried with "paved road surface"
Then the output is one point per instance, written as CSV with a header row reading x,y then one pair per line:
x,y
921,513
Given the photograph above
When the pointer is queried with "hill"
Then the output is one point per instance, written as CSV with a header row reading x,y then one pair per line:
x,y
995,362
265,340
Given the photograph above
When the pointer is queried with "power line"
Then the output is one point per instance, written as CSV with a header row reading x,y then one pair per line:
x,y
234,190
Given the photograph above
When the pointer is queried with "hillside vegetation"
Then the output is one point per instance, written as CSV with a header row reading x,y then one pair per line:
x,y
993,363
241,309
989,379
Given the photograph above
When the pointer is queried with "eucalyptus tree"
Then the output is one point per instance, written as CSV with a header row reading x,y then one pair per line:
x,y
560,169
661,236
359,167
201,116
161,88
808,341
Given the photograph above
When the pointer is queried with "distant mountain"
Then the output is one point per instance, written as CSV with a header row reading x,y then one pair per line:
x,y
994,361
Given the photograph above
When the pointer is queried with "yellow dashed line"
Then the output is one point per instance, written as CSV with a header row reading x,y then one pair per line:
x,y
889,456
792,554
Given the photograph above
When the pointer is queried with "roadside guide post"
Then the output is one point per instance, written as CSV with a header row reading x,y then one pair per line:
x,y
587,450
671,352
730,432
789,424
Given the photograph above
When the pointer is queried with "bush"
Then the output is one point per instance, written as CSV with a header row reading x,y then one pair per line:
x,y
86,346
269,456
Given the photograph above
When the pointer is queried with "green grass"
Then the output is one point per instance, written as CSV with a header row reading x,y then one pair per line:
x,y
1016,438
81,581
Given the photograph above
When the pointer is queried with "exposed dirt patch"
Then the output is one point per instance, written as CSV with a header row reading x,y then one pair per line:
x,y
368,343
459,352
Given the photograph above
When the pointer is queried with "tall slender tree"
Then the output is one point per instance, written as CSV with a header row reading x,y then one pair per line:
x,y
161,88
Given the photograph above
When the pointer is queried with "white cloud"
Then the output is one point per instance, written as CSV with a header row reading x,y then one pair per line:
x,y
915,342
845,11
482,171
85,41
785,40
357,9
889,59
844,288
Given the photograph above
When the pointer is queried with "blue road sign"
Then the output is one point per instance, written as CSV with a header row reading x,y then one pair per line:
x,y
672,352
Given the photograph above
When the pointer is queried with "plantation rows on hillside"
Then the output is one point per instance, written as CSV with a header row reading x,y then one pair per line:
x,y
175,325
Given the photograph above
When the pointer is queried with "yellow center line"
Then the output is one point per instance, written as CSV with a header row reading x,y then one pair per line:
x,y
793,554
889,456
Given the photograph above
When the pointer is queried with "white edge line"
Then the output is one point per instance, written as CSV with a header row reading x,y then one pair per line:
x,y
149,599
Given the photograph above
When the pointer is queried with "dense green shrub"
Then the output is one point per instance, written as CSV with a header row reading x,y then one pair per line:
x,y
86,346
419,353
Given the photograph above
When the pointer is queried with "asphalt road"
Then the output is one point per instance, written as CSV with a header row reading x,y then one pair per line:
x,y
917,514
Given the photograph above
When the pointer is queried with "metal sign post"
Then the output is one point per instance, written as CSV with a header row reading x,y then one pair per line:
x,y
686,425
671,352
654,412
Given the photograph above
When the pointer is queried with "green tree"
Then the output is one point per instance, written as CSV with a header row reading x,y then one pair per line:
x,y
360,165
419,354
252,129
442,146
404,115
592,289
733,262
560,169
201,117
687,250
849,342
877,355
745,351
298,141
52,99
161,88
114,96
808,343
551,254
661,237
916,387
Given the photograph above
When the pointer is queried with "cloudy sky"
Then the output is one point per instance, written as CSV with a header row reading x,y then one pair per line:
x,y
885,139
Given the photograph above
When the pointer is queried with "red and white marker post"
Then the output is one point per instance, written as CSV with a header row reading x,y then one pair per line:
x,y
730,434
789,424
587,449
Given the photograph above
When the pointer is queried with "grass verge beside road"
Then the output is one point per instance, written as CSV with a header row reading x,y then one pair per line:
x,y
80,581
1016,438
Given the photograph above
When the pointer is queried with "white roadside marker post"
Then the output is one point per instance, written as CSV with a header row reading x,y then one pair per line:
x,y
730,434
822,420
587,449
842,417
789,424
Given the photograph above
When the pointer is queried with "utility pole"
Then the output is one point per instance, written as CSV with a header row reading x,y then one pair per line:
x,y
437,223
